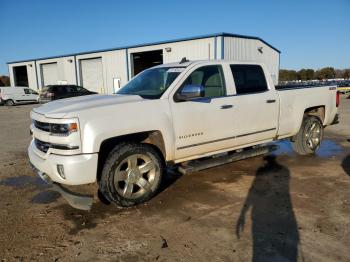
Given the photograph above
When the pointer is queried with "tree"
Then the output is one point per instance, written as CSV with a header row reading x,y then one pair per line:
x,y
346,74
288,75
4,81
339,73
310,74
325,73
283,75
306,74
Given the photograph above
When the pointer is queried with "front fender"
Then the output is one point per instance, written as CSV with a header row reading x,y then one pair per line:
x,y
153,115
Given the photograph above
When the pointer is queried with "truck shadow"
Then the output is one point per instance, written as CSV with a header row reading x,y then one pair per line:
x,y
85,220
89,218
346,164
274,226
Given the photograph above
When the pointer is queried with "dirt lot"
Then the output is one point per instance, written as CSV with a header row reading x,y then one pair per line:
x,y
282,208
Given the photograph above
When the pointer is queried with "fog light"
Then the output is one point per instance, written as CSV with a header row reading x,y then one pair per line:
x,y
60,170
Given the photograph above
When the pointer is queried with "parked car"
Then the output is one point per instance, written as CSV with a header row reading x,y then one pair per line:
x,y
170,114
12,95
54,92
344,87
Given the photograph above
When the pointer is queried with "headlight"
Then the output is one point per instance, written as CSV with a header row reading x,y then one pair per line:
x,y
63,129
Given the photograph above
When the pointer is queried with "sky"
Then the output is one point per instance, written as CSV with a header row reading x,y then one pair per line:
x,y
309,33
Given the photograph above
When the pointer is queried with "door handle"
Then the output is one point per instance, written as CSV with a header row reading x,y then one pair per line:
x,y
226,106
270,100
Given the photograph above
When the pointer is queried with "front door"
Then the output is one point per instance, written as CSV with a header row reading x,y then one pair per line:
x,y
30,95
204,124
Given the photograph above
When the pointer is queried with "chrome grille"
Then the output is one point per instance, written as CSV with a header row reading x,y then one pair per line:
x,y
42,126
42,146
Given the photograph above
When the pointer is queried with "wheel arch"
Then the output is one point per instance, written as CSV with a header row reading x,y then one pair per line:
x,y
9,99
153,138
318,111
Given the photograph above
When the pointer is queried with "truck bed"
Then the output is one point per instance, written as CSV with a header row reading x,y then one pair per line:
x,y
299,86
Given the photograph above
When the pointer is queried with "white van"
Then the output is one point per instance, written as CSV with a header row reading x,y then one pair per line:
x,y
11,95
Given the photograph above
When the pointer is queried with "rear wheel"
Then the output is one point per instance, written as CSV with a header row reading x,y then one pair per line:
x,y
9,102
131,174
309,137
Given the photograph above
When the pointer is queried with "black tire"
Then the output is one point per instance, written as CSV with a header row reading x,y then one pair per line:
x,y
117,162
302,142
9,102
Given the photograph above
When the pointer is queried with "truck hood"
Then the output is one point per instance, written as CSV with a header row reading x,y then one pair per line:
x,y
60,108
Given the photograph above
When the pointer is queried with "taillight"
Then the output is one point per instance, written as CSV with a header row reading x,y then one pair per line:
x,y
337,100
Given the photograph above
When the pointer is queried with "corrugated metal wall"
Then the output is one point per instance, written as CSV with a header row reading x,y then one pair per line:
x,y
199,49
117,64
65,69
241,49
114,66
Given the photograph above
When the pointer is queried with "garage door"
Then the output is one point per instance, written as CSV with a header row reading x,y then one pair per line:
x,y
92,74
49,74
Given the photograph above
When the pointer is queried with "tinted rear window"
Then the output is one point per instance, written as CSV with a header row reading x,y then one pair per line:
x,y
48,89
249,78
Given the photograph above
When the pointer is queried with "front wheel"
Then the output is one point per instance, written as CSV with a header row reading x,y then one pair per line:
x,y
131,174
9,102
309,137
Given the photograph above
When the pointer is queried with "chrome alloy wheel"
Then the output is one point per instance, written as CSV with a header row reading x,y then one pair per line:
x,y
313,135
136,176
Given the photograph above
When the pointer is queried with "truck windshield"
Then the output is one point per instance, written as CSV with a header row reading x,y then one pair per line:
x,y
151,83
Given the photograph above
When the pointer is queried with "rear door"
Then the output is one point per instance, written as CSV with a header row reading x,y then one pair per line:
x,y
256,105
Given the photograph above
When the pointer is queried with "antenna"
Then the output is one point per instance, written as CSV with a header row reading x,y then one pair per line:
x,y
183,60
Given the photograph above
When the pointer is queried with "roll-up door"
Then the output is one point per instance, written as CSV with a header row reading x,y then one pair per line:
x,y
49,74
91,74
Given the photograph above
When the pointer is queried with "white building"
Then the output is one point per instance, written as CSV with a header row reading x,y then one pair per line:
x,y
106,70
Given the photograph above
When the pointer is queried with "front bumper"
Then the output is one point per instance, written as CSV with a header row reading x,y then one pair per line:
x,y
76,200
78,169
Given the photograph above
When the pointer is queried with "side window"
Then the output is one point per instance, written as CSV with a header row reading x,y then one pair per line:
x,y
71,89
249,79
26,91
32,92
60,90
80,89
211,78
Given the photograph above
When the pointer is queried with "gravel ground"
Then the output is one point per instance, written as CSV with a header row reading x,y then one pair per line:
x,y
281,207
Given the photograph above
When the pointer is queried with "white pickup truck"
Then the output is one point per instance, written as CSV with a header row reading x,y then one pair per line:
x,y
170,114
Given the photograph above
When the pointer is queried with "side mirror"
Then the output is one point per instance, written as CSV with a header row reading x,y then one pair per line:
x,y
189,92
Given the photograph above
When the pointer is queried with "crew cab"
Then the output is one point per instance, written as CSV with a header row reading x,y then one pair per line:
x,y
170,114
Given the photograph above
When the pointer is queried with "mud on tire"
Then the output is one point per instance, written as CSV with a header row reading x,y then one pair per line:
x,y
309,137
132,174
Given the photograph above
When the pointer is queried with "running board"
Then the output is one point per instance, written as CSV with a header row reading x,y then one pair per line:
x,y
198,165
